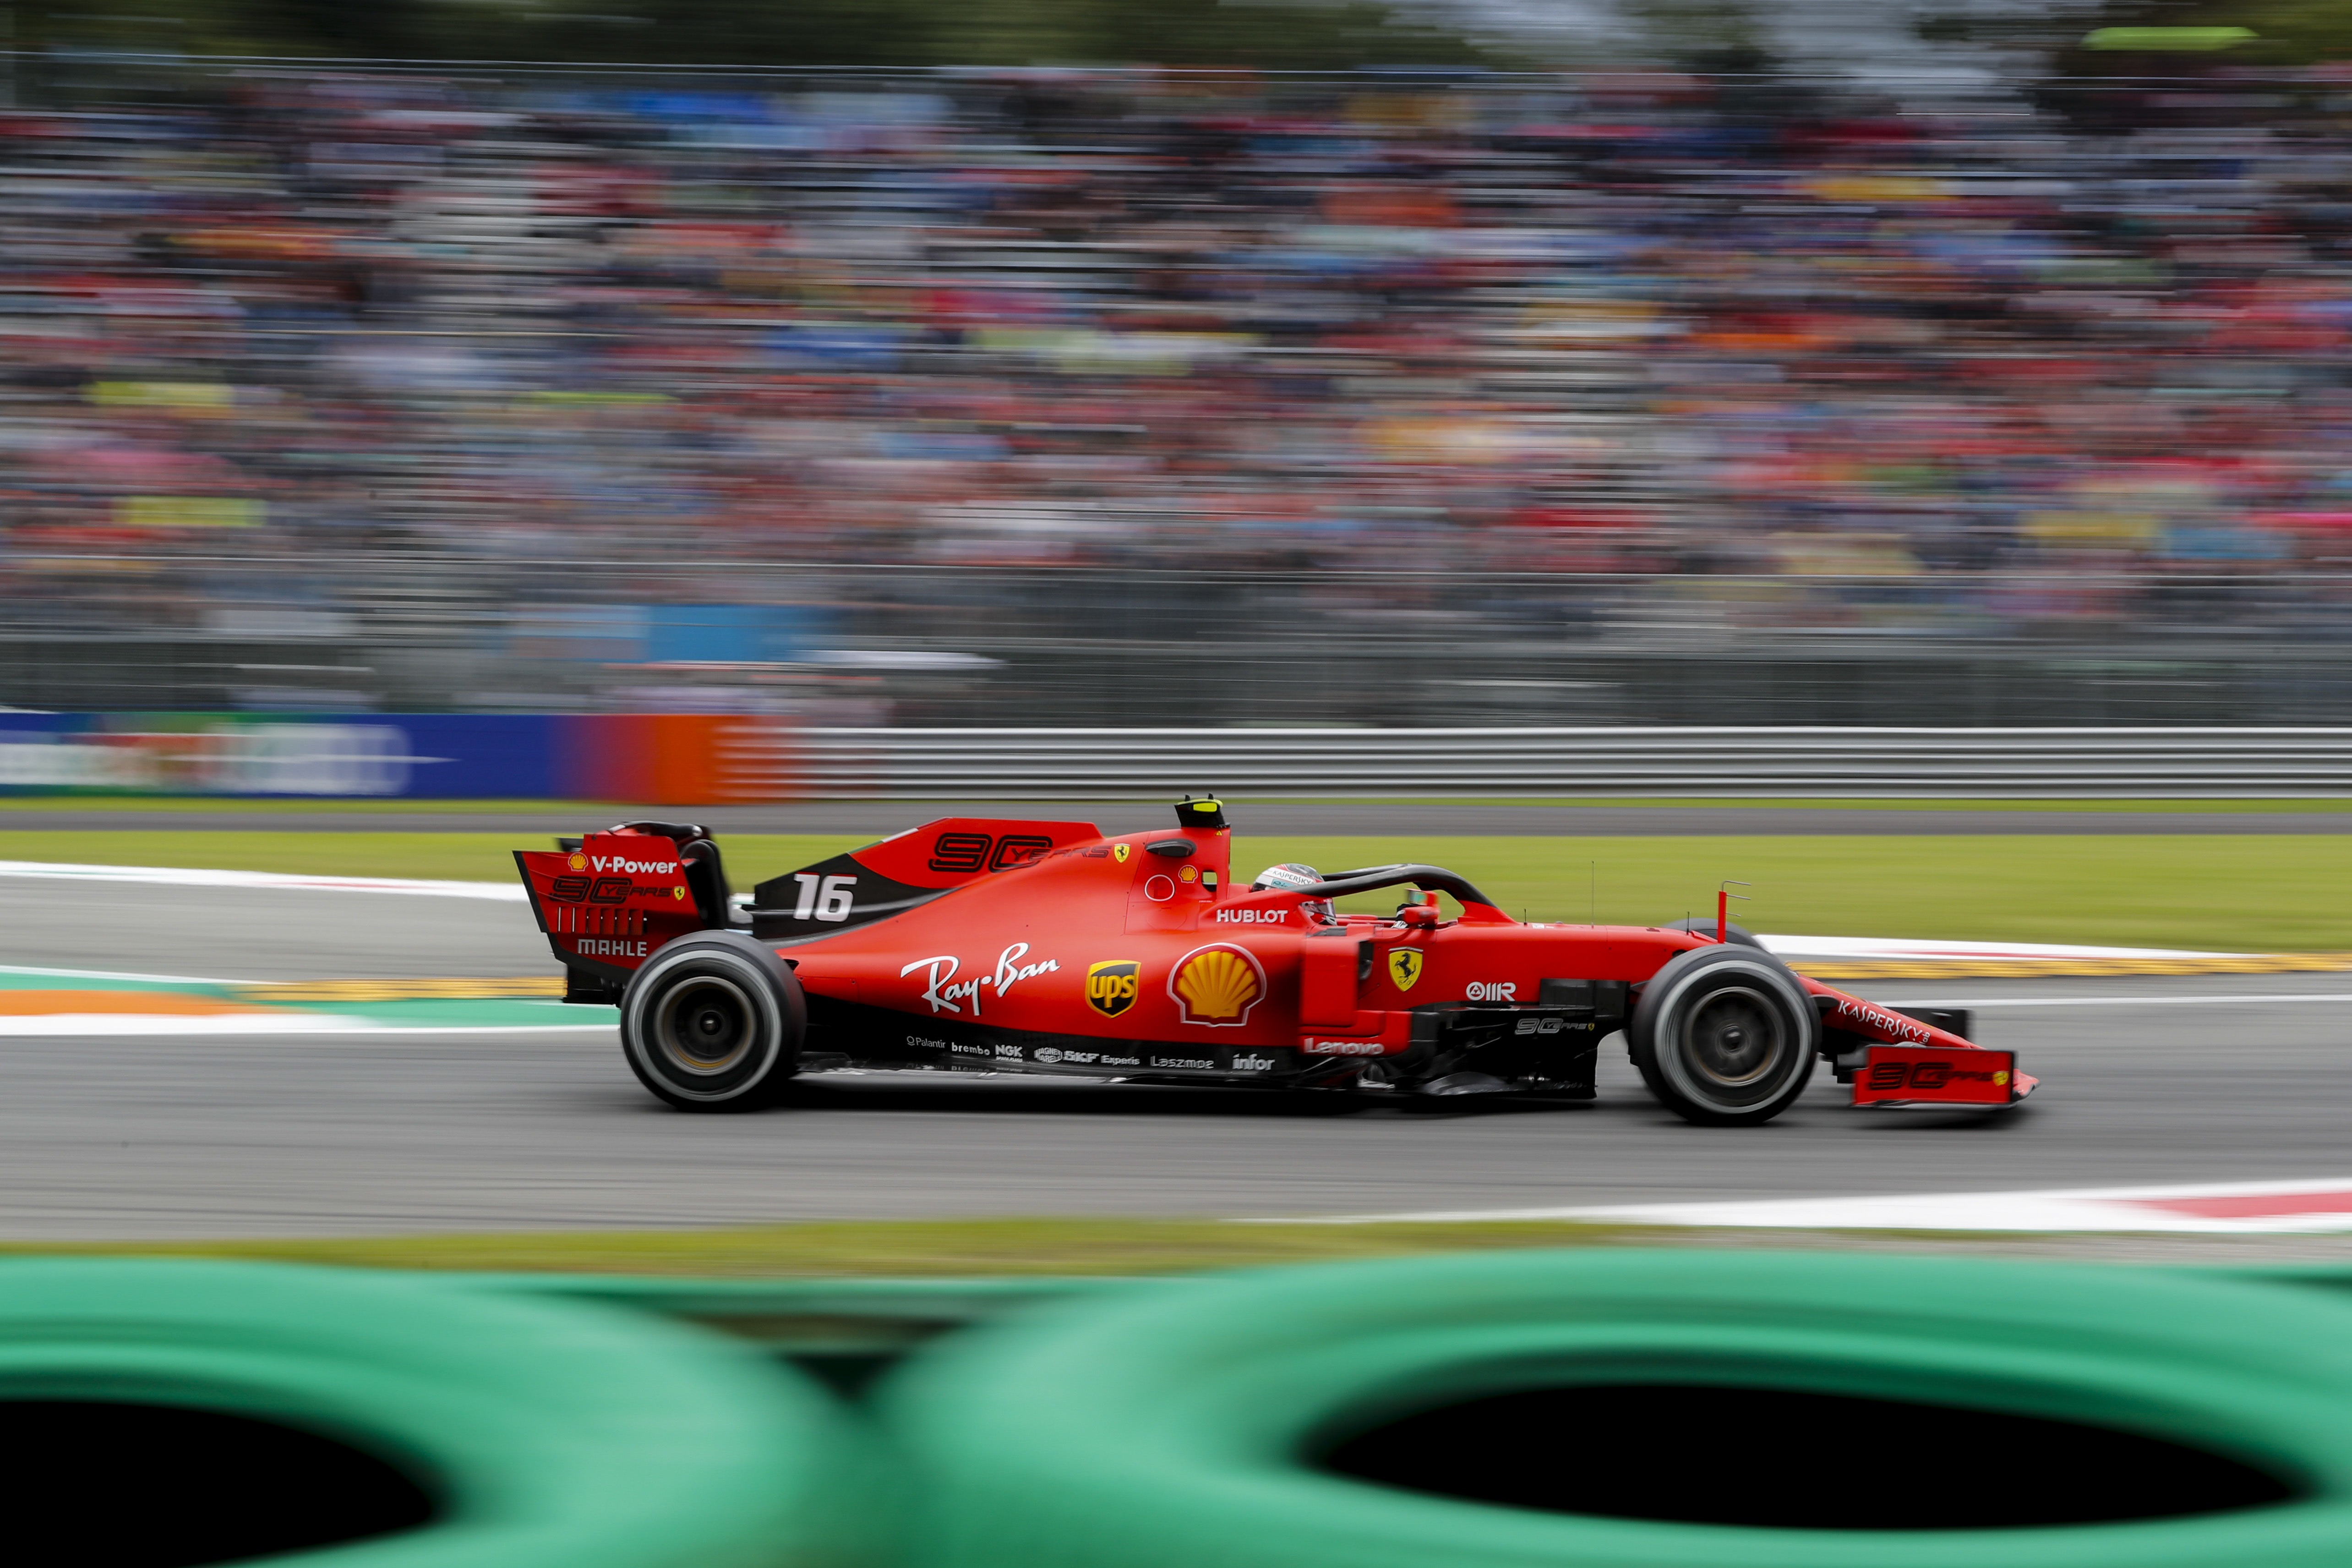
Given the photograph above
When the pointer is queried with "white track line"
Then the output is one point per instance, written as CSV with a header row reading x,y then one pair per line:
x,y
187,877
1913,947
2311,1204
144,1024
273,1020
46,971
120,1026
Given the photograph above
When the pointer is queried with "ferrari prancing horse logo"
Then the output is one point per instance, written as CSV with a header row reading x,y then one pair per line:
x,y
1404,967
1119,853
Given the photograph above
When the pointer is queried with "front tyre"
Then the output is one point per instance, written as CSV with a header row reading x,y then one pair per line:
x,y
713,1023
1725,1036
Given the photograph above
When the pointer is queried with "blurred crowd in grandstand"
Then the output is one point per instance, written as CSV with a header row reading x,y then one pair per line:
x,y
2012,365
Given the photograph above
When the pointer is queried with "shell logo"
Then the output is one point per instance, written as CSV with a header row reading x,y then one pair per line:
x,y
1217,985
577,862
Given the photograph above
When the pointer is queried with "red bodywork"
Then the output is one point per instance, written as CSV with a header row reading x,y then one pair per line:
x,y
1047,946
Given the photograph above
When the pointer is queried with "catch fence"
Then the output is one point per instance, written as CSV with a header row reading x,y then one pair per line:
x,y
1136,642
1549,762
704,758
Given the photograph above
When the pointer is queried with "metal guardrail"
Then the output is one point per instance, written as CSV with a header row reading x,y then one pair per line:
x,y
1094,763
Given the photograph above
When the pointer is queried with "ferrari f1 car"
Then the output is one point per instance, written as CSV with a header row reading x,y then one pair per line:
x,y
973,943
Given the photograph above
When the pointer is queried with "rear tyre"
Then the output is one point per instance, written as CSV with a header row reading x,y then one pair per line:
x,y
713,1023
1725,1036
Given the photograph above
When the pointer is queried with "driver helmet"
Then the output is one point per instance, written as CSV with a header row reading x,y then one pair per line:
x,y
1291,874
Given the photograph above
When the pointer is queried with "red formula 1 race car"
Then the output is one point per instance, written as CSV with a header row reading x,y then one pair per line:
x,y
973,943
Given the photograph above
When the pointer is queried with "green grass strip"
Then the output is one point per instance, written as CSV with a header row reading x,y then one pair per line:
x,y
1238,807
215,805
2230,892
1102,1246
595,812
2234,893
955,1248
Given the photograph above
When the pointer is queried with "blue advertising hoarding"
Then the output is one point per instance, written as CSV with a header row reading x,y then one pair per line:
x,y
419,756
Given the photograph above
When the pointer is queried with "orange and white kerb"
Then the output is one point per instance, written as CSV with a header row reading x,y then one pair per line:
x,y
1217,985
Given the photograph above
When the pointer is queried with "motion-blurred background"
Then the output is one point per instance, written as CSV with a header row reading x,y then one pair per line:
x,y
495,418
1079,362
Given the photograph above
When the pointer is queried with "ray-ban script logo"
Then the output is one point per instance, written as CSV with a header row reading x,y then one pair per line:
x,y
946,994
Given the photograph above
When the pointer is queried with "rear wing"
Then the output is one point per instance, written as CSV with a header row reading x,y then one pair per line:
x,y
607,901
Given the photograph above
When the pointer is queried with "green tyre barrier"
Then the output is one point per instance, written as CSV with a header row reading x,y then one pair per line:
x,y
156,1412
1629,1409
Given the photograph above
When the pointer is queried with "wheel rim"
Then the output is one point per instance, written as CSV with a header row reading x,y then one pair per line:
x,y
1736,1043
706,1025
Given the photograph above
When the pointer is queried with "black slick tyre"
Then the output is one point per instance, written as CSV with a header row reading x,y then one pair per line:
x,y
1725,1036
713,1023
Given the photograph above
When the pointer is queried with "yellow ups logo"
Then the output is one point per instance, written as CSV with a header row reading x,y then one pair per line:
x,y
1111,985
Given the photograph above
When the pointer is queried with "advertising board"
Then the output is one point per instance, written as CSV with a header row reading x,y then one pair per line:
x,y
645,757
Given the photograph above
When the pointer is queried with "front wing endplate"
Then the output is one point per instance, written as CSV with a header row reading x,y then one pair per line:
x,y
1927,1075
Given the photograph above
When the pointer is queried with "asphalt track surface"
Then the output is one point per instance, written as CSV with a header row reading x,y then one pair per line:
x,y
224,1135
880,818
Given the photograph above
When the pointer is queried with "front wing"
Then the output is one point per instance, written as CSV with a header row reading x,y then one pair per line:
x,y
1911,1059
